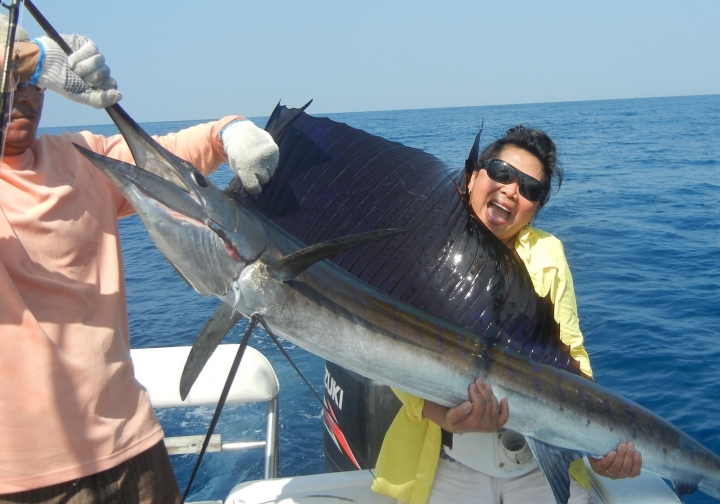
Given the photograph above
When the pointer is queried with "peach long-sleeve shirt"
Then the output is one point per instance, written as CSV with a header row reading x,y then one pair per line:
x,y
69,402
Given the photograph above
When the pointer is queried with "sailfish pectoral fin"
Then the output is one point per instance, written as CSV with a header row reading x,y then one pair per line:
x,y
210,337
293,264
555,463
683,487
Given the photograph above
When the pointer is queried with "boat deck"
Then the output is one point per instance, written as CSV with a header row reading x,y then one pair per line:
x,y
354,486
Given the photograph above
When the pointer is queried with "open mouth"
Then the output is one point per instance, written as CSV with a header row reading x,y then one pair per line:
x,y
497,213
229,248
231,251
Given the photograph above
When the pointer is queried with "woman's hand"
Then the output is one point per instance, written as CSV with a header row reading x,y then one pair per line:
x,y
624,462
482,413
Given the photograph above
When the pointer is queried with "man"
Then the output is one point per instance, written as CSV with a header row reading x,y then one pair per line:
x,y
75,425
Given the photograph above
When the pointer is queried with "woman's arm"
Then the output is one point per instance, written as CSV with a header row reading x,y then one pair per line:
x,y
555,276
482,413
624,462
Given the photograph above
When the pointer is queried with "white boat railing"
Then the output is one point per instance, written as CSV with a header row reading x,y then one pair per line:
x,y
159,371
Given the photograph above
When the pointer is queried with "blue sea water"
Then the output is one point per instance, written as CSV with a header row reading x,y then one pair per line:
x,y
639,216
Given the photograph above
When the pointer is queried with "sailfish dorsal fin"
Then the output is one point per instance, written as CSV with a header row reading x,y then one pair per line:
x,y
334,180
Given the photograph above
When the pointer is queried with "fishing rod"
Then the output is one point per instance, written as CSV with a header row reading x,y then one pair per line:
x,y
6,86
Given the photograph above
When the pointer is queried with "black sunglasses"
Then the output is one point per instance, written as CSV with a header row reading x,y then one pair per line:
x,y
500,171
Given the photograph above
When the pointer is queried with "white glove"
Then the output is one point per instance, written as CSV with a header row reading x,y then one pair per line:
x,y
82,77
252,154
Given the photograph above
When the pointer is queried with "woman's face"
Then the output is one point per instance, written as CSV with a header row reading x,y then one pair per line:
x,y
500,206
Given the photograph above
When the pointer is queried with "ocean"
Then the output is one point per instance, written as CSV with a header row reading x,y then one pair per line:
x,y
639,217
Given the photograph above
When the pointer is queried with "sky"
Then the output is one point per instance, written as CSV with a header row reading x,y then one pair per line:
x,y
203,59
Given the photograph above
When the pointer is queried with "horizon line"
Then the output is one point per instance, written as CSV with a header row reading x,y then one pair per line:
x,y
328,114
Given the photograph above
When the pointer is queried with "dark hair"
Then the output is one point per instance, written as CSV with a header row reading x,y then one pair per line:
x,y
535,141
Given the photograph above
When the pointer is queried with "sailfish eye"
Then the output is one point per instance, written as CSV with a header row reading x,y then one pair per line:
x,y
200,178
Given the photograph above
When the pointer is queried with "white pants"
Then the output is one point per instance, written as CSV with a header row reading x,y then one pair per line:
x,y
457,483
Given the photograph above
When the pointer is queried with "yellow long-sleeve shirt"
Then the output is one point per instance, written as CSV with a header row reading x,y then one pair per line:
x,y
409,455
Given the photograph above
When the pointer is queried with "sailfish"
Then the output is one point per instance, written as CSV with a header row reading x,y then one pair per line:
x,y
417,294
334,180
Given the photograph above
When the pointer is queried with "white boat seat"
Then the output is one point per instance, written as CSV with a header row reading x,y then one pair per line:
x,y
159,371
330,488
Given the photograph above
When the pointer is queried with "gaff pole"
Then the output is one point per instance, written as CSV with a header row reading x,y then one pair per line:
x,y
53,34
6,85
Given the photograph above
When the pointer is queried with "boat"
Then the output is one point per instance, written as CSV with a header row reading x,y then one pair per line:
x,y
159,370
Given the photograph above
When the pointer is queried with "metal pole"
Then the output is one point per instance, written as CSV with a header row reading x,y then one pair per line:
x,y
47,27
7,70
53,34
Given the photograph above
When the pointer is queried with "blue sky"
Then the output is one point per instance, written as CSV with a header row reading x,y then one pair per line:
x,y
185,60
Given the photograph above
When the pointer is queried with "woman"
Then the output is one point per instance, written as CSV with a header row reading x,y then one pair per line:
x,y
505,189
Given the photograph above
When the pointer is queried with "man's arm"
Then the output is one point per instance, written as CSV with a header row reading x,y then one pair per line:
x,y
82,77
252,153
25,58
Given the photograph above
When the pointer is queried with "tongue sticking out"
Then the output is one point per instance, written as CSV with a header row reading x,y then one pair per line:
x,y
497,214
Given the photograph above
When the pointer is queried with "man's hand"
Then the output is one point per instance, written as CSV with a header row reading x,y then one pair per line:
x,y
252,154
87,62
624,462
82,77
482,413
